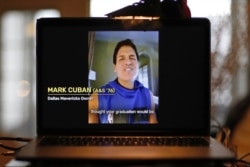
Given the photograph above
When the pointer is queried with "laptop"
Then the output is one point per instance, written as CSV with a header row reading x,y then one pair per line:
x,y
76,68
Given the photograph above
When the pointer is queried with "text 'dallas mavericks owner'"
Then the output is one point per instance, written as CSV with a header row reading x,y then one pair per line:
x,y
75,93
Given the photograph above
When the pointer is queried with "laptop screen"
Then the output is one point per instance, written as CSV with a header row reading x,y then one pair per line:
x,y
105,75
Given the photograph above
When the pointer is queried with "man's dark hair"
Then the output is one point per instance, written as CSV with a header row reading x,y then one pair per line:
x,y
126,42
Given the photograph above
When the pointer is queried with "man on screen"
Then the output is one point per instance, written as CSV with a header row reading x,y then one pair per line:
x,y
131,102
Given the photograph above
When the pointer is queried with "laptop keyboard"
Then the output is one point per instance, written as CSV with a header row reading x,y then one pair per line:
x,y
123,141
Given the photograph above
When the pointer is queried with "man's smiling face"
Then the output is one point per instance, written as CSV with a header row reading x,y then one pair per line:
x,y
127,64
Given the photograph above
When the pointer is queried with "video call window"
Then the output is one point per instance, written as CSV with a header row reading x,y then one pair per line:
x,y
123,74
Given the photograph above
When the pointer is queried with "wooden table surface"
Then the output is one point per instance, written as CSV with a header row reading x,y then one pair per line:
x,y
4,159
